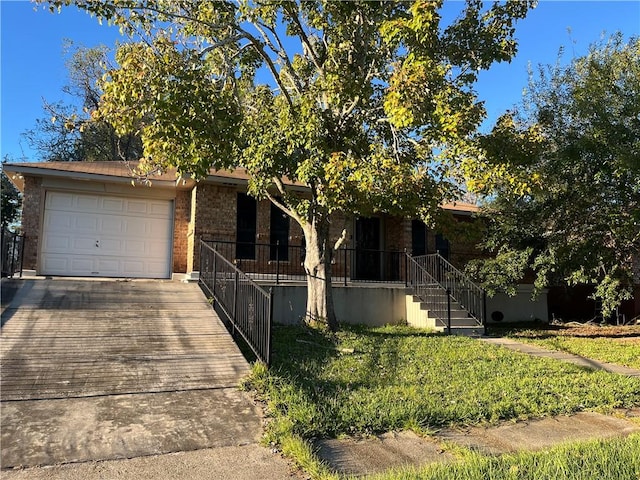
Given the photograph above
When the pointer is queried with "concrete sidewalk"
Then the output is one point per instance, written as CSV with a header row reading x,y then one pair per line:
x,y
366,456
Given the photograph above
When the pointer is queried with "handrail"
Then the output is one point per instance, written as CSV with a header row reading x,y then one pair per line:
x,y
437,271
246,307
275,262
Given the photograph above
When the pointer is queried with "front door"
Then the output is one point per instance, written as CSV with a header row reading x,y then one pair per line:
x,y
368,249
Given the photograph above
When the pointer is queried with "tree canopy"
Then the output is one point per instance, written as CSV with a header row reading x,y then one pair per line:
x,y
11,201
66,132
564,173
356,100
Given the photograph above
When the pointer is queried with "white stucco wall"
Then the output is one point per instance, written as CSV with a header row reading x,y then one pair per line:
x,y
369,305
520,308
382,305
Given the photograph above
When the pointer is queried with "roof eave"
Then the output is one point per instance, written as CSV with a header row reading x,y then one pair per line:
x,y
19,171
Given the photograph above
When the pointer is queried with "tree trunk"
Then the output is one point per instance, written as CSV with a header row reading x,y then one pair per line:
x,y
317,265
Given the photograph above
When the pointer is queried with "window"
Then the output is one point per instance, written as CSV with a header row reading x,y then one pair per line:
x,y
418,238
279,234
246,227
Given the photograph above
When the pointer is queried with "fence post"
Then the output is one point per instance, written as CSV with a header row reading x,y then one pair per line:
x,y
406,268
215,270
448,311
345,266
200,257
2,252
484,310
235,302
268,349
277,262
23,242
13,255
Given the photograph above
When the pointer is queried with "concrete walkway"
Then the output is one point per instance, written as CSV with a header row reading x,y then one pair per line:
x,y
365,456
537,351
103,370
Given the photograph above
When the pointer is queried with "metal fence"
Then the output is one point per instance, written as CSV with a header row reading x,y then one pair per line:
x,y
12,253
425,287
244,306
279,263
462,290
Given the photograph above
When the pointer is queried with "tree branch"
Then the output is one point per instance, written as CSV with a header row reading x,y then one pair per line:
x,y
289,211
272,68
305,39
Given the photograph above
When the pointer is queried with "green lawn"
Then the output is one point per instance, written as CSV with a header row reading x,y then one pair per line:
x,y
597,460
607,344
369,380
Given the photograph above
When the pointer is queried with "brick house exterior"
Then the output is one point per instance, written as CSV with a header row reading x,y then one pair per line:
x,y
200,210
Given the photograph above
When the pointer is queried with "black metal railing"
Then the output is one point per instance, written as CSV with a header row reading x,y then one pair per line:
x,y
437,300
279,263
243,305
435,280
463,290
12,253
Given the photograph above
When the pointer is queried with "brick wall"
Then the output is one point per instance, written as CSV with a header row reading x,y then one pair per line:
x,y
213,216
32,205
182,217
397,233
263,221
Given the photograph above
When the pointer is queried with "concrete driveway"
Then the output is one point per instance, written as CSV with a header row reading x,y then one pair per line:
x,y
96,370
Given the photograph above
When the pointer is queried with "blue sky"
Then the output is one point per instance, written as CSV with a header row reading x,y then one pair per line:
x,y
32,63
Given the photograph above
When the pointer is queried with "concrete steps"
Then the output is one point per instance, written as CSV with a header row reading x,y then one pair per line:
x,y
420,316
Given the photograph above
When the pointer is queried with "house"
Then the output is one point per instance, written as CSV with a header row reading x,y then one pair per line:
x,y
92,219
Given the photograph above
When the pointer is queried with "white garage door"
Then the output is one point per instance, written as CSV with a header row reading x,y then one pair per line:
x,y
105,236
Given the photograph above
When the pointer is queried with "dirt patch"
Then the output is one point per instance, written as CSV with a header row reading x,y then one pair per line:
x,y
629,333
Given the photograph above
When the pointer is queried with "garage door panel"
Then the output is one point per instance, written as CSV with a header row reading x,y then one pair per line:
x,y
55,263
113,205
86,223
154,248
154,269
112,225
137,228
156,228
60,243
160,209
86,203
59,220
134,268
93,235
109,266
136,247
83,264
82,245
60,201
137,207
111,246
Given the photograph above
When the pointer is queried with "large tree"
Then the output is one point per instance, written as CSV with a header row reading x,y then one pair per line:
x,y
11,201
355,100
67,132
564,172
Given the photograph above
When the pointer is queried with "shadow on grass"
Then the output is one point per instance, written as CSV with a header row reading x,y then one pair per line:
x,y
550,331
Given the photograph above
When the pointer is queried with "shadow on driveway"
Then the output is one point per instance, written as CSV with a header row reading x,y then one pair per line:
x,y
96,370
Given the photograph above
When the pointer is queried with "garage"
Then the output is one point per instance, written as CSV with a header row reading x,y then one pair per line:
x,y
106,236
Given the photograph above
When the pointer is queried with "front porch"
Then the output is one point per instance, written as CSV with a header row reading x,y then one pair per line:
x,y
371,287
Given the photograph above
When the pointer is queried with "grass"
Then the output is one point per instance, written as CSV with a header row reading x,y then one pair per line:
x,y
619,345
371,380
596,460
